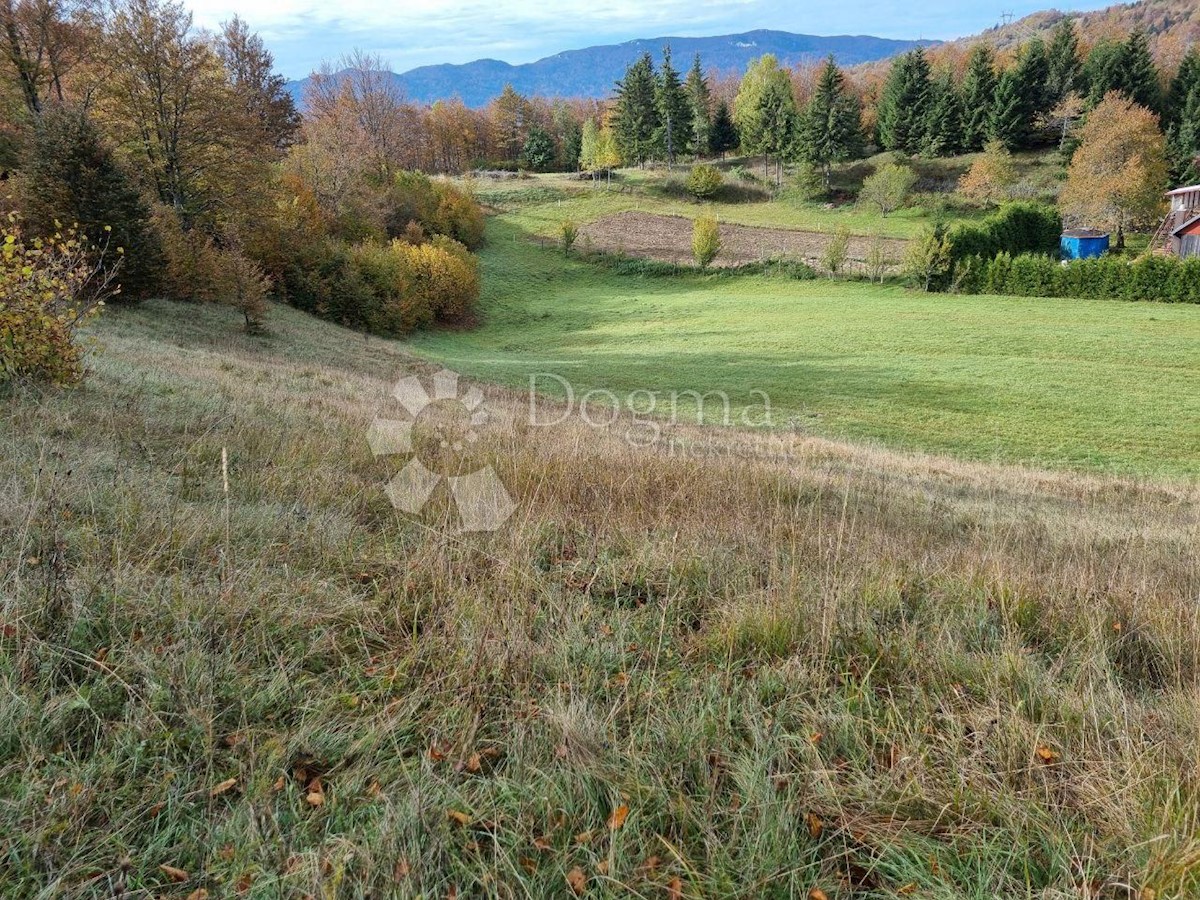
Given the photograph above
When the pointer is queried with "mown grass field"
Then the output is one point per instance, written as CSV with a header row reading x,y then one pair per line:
x,y
1102,386
779,665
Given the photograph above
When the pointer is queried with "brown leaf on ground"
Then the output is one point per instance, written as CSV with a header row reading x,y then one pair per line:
x,y
316,793
675,889
817,894
459,818
198,894
173,873
815,824
618,817
577,881
221,788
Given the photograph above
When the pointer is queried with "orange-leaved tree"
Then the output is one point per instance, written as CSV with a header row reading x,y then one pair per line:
x,y
1117,176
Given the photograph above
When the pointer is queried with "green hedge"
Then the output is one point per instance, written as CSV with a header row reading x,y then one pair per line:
x,y
1163,279
1017,228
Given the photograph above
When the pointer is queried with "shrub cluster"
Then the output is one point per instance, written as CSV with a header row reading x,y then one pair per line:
x,y
704,181
1017,228
48,288
1164,279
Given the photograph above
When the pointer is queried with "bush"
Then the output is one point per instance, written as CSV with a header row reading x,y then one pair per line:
x,y
438,206
888,188
1164,279
704,181
456,215
410,286
929,262
706,240
1017,228
837,251
568,233
192,269
48,288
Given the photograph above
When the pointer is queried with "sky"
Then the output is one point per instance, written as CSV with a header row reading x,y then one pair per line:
x,y
410,33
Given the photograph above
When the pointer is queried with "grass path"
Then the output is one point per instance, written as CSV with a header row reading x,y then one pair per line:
x,y
1088,384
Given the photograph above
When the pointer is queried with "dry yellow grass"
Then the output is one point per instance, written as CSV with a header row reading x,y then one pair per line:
x,y
798,664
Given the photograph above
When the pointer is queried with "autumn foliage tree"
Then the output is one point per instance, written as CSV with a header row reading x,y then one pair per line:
x,y
1117,176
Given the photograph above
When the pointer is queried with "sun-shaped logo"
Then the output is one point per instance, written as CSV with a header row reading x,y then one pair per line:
x,y
440,434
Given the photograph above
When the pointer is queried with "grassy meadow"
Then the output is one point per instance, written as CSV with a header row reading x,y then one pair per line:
x,y
1081,384
778,665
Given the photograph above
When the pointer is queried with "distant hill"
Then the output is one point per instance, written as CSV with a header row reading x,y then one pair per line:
x,y
593,71
1172,25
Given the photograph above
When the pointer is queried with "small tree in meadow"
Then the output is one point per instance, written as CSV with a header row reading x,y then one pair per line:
x,y
930,259
568,233
877,260
837,252
888,188
991,177
703,182
706,240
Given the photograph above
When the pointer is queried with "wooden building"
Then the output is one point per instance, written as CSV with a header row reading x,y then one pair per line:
x,y
1179,233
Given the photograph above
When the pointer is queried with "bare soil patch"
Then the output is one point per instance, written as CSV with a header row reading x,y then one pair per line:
x,y
669,239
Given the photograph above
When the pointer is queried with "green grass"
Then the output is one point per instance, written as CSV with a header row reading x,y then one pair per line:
x,y
1103,386
840,669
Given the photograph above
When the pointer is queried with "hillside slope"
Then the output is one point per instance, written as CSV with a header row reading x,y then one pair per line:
x,y
592,71
756,669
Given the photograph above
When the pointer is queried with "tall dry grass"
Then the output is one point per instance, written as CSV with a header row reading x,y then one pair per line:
x,y
794,664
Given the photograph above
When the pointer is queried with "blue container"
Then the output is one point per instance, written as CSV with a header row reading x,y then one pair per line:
x,y
1084,244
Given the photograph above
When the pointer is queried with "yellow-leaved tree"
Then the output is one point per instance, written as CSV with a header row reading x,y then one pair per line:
x,y
1117,176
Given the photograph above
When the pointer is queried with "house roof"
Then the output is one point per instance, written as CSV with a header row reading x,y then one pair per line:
x,y
1184,190
1186,225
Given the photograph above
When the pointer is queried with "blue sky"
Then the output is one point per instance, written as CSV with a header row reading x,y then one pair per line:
x,y
409,33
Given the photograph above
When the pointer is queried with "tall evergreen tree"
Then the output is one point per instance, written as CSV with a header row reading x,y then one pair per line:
x,y
674,112
636,120
724,136
1063,63
72,177
979,97
699,102
1183,141
905,103
1009,120
1033,72
1186,79
777,118
1127,68
944,130
831,127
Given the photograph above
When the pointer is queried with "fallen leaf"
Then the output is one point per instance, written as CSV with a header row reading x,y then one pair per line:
x,y
543,844
651,864
584,837
278,785
528,864
474,764
401,869
460,818
815,738
910,888
618,817
815,824
602,867
227,852
244,883
817,894
1047,755
316,793
577,881
173,873
675,888
198,894
222,787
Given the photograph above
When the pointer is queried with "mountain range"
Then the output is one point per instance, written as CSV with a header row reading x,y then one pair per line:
x,y
592,71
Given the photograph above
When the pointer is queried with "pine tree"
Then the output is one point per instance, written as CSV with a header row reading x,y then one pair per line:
x,y
831,127
538,152
724,136
1033,71
979,97
905,103
944,129
1064,65
636,120
699,101
510,122
1127,68
72,177
1009,121
1185,81
589,148
1183,141
674,112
